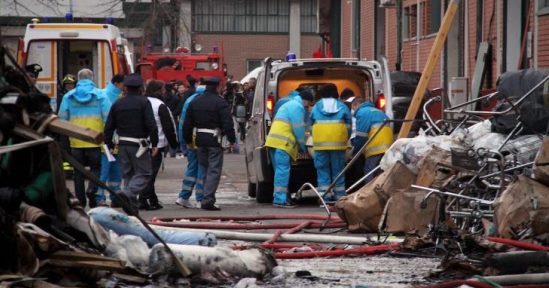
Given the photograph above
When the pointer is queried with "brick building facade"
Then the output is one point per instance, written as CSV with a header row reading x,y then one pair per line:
x,y
515,29
251,30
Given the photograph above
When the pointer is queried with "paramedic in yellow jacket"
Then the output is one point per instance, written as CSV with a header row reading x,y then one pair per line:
x,y
287,138
86,106
369,119
331,121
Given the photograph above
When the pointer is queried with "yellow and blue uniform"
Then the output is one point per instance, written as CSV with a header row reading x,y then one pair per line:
x,y
369,120
287,137
194,175
86,106
111,174
331,128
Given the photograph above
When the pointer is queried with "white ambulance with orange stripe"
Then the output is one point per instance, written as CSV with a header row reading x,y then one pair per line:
x,y
65,48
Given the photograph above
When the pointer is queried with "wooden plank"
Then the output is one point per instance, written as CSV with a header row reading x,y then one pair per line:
x,y
59,185
434,55
71,130
68,129
99,265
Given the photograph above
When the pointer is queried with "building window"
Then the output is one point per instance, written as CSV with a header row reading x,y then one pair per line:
x,y
252,16
251,64
409,22
432,17
356,25
308,13
543,7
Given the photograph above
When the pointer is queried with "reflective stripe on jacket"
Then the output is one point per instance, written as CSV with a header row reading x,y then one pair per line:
x,y
368,120
331,121
288,129
381,143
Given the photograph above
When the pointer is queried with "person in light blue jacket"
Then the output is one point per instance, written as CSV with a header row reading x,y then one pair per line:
x,y
86,106
284,100
194,176
331,128
110,171
287,139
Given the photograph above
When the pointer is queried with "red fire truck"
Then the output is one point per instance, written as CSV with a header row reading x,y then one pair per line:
x,y
176,66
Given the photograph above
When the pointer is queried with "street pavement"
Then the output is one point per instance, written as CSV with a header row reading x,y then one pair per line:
x,y
370,271
232,197
232,194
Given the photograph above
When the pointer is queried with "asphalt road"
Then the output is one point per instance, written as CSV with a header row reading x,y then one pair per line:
x,y
232,194
371,271
366,271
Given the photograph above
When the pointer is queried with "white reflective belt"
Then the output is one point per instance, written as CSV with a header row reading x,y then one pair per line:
x,y
130,139
324,144
376,125
329,121
210,131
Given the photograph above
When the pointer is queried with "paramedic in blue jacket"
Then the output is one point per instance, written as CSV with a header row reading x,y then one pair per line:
x,y
284,100
369,120
110,171
287,138
86,106
331,128
194,176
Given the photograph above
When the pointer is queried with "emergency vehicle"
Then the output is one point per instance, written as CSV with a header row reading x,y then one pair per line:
x,y
65,48
276,79
170,67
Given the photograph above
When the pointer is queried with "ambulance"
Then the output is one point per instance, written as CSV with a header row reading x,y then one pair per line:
x,y
65,48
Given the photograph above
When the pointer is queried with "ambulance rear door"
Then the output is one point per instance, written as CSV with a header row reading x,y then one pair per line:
x,y
44,53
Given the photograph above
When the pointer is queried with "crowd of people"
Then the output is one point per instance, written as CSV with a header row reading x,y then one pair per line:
x,y
334,121
144,122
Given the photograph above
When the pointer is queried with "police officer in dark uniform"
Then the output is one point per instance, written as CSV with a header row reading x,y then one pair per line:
x,y
132,118
32,71
209,116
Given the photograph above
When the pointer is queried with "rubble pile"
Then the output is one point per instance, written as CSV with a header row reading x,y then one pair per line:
x,y
48,240
483,179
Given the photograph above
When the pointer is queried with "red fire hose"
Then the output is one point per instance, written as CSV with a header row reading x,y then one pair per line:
x,y
367,250
458,283
292,230
518,244
276,246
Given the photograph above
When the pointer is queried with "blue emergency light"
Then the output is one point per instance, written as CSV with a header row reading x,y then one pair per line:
x,y
290,57
110,20
68,17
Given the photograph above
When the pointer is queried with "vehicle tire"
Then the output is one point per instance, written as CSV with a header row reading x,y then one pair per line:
x,y
264,193
252,188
